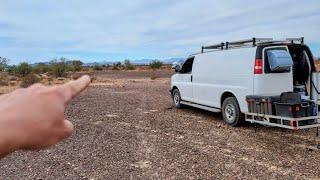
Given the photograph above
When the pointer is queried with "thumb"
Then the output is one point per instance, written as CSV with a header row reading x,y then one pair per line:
x,y
67,129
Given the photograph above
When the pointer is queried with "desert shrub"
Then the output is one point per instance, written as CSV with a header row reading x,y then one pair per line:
x,y
156,64
116,66
153,77
59,67
49,79
12,83
128,65
12,70
4,81
76,65
75,76
41,68
12,78
23,69
93,78
97,67
29,80
85,68
3,63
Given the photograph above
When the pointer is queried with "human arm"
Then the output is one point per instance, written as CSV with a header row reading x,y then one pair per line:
x,y
33,118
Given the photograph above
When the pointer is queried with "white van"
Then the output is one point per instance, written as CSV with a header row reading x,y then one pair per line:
x,y
220,77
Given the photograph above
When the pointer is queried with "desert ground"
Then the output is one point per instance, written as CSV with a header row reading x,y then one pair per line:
x,y
126,128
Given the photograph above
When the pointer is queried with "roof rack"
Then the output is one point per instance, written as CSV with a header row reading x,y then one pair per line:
x,y
215,46
292,40
249,42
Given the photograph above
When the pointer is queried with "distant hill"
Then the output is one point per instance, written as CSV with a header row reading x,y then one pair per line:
x,y
137,62
148,61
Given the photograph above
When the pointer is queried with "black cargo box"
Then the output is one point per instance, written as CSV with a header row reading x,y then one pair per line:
x,y
293,110
290,97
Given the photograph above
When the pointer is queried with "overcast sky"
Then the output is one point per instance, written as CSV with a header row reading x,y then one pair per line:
x,y
36,30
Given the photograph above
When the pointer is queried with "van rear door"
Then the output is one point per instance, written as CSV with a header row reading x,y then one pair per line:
x,y
271,83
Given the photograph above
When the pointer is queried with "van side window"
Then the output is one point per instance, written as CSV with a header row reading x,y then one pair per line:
x,y
267,69
187,66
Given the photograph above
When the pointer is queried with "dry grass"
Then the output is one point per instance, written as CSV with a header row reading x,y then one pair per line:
x,y
29,80
7,83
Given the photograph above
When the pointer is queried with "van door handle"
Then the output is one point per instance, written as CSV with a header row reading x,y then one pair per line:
x,y
191,78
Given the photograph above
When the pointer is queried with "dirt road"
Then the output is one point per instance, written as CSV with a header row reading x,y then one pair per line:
x,y
127,129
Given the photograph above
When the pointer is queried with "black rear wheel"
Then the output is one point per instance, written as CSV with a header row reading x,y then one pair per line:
x,y
231,112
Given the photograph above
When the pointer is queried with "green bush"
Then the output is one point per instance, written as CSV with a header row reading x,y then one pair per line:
x,y
97,67
12,70
76,65
3,63
29,80
128,65
156,64
4,80
116,66
23,69
59,67
41,68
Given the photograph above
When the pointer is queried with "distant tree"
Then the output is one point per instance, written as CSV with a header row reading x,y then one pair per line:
x,y
76,65
59,67
23,69
3,63
40,68
128,65
117,66
97,67
156,64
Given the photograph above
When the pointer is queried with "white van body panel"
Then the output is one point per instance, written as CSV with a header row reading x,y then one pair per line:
x,y
223,71
273,84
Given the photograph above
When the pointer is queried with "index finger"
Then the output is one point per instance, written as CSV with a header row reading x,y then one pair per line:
x,y
73,88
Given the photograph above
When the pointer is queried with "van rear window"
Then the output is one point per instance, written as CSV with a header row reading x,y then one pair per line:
x,y
267,68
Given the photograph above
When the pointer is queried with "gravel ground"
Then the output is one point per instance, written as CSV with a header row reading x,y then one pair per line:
x,y
129,130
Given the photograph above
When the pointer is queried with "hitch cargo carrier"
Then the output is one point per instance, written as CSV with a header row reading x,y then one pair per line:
x,y
283,122
286,111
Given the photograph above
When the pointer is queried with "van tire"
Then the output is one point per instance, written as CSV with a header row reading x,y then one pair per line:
x,y
176,98
231,112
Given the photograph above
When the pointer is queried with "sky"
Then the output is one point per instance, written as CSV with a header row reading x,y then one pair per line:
x,y
103,30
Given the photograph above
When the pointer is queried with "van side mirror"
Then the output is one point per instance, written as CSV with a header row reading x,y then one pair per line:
x,y
176,67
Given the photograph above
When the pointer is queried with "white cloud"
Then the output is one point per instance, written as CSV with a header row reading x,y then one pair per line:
x,y
39,29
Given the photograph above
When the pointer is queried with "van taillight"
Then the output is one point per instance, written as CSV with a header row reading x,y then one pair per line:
x,y
258,66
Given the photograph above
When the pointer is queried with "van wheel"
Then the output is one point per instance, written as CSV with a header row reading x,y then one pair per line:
x,y
231,112
176,98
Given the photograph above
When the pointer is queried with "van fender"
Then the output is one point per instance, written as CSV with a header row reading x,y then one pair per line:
x,y
172,88
229,93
